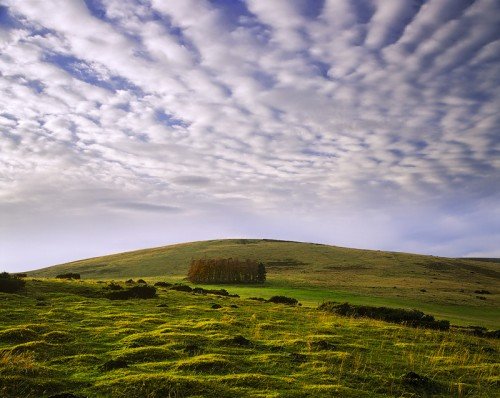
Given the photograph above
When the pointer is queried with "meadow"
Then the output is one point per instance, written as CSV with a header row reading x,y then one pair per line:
x,y
62,336
313,273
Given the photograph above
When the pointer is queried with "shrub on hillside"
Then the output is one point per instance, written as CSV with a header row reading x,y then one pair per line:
x,y
261,299
283,300
163,284
69,275
11,283
113,286
480,331
135,292
181,288
217,292
402,316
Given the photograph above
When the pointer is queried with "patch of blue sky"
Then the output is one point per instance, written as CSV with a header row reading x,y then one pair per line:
x,y
322,68
36,85
312,8
97,9
7,20
169,119
233,10
81,70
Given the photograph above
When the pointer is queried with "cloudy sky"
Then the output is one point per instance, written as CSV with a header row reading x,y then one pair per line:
x,y
134,123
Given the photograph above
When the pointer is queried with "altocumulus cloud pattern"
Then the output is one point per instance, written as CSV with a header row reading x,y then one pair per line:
x,y
372,122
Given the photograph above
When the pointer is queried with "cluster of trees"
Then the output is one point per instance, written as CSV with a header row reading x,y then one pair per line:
x,y
226,270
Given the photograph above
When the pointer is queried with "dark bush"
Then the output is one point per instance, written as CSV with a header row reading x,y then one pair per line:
x,y
283,300
217,292
19,275
181,288
139,292
69,275
163,284
412,318
257,299
141,281
113,286
216,306
10,283
482,292
480,331
129,281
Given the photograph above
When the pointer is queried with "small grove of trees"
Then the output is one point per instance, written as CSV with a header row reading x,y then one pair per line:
x,y
11,283
226,270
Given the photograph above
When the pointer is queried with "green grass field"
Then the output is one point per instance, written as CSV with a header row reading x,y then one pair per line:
x,y
63,336
444,287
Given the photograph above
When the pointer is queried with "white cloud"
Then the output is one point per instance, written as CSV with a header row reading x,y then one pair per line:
x,y
276,107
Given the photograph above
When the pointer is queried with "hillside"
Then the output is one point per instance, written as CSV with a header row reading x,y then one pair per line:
x,y
315,272
279,257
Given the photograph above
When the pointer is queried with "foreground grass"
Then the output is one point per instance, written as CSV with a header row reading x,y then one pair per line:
x,y
62,336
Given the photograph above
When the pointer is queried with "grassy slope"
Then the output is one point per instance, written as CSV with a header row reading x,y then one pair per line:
x,y
314,272
56,337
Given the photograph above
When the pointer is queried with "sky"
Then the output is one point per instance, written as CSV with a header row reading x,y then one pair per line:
x,y
127,124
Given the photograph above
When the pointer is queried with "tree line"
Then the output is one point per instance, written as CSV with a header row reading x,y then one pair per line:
x,y
226,270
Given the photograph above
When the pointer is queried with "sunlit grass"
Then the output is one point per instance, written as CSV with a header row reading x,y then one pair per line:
x,y
100,348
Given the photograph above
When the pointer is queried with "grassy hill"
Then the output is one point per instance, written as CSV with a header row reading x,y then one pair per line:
x,y
65,338
446,287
